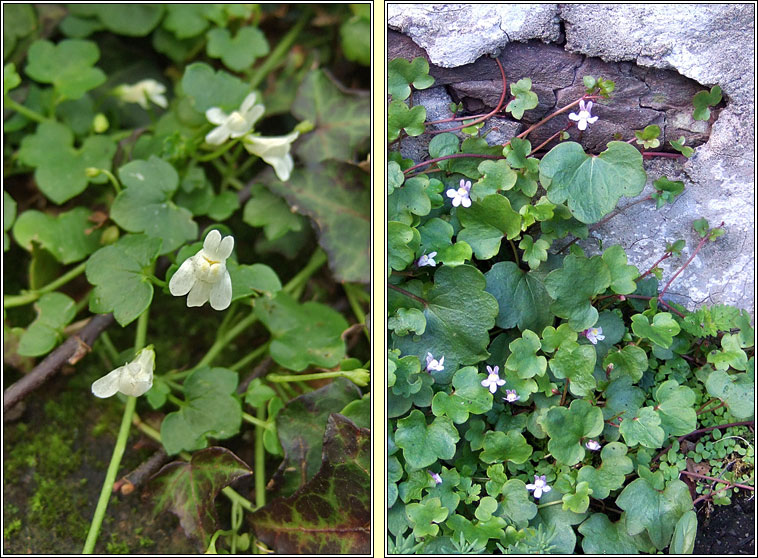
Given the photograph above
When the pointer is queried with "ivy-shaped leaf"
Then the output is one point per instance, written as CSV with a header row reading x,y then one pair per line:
x,y
666,191
516,507
409,200
535,252
629,361
486,223
579,500
238,53
600,536
303,334
402,243
68,236
401,74
661,332
342,122
730,355
675,408
622,275
332,512
68,66
271,212
395,176
406,320
400,117
61,168
704,99
523,358
525,98
648,138
505,446
685,531
573,286
423,443
408,384
622,399
189,490
467,397
496,176
643,428
121,276
736,390
576,363
592,185
681,148
9,216
567,427
208,88
424,516
54,312
145,204
611,474
523,301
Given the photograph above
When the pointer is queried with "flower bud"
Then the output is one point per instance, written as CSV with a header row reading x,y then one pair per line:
x,y
100,123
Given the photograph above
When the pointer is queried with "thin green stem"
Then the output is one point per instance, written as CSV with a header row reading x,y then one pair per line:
x,y
110,348
281,50
220,151
279,378
30,296
247,164
549,504
24,111
260,460
515,252
351,291
317,260
256,422
110,476
113,179
227,338
141,333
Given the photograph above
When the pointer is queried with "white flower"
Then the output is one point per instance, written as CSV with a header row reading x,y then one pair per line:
x,y
539,486
493,381
204,276
511,396
427,260
594,334
592,445
461,195
142,92
236,124
436,477
433,365
274,150
133,378
585,116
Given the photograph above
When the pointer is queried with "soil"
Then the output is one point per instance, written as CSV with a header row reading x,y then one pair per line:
x,y
729,529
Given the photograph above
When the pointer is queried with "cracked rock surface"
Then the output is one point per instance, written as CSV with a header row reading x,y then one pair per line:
x,y
659,56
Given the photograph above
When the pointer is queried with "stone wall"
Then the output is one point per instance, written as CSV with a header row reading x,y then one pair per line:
x,y
659,56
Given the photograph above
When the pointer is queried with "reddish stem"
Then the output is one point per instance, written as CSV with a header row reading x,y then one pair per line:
x,y
711,409
548,140
408,294
704,477
748,423
692,257
652,267
661,154
453,156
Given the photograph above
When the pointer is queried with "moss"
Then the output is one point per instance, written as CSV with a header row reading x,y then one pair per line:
x,y
114,546
12,528
57,510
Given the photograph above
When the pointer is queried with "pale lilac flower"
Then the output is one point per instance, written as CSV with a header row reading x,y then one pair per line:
x,y
436,477
585,115
461,195
434,365
493,381
539,486
592,445
427,259
511,396
594,334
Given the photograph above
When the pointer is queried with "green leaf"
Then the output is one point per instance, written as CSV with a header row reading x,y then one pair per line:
x,y
402,243
523,358
300,426
67,66
643,428
410,385
189,20
611,474
189,490
736,390
359,411
516,507
567,427
467,397
579,501
208,88
336,196
210,410
355,34
535,252
592,185
406,320
629,361
521,295
409,200
258,393
54,312
145,204
423,443
9,216
303,334
496,176
685,532
252,279
400,117
424,516
648,138
704,99
271,212
517,152
675,408
120,273
661,331
238,53
486,223
621,399
505,446
134,20
332,512
395,177
600,536
525,98
666,191
69,236
61,168
731,354
656,512
552,338
478,532
459,315
573,286
681,148
342,122
19,20
11,79
622,275
401,74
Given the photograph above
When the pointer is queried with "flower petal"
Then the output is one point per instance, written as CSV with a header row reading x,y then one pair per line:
x,y
108,385
221,292
582,124
199,294
184,278
217,136
211,242
466,202
249,102
216,116
573,116
136,380
225,248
